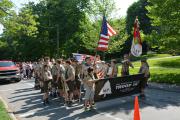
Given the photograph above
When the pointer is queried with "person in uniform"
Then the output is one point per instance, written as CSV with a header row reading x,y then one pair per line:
x,y
40,74
62,86
77,67
145,70
125,65
85,66
54,74
90,89
114,68
36,76
47,77
70,80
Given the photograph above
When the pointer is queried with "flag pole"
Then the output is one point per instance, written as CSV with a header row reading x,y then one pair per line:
x,y
104,13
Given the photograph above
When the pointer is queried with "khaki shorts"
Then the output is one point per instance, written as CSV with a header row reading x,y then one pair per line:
x,y
46,85
59,84
71,85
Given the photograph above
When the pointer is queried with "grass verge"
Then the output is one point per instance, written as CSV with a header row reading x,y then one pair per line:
x,y
3,112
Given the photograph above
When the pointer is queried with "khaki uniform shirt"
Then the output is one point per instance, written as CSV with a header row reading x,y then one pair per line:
x,y
70,73
144,69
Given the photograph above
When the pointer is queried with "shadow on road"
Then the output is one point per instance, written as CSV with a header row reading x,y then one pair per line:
x,y
33,106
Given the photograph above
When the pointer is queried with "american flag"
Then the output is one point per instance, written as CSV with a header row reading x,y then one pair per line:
x,y
100,74
82,57
106,31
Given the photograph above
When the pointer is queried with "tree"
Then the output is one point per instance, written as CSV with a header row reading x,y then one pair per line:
x,y
138,9
98,8
166,16
5,9
19,32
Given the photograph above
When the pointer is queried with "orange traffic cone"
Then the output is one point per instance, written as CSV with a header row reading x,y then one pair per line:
x,y
136,109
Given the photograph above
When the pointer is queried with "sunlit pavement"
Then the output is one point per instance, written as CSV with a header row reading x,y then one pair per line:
x,y
26,103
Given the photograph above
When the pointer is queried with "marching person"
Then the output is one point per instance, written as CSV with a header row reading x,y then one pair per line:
x,y
40,74
145,70
77,67
70,77
114,69
36,76
109,70
54,75
84,70
125,65
47,79
90,89
62,86
86,66
98,67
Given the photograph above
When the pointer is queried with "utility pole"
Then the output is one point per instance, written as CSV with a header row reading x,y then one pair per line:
x,y
57,40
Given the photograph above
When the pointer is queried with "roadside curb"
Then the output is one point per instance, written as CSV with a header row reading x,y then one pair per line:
x,y
10,112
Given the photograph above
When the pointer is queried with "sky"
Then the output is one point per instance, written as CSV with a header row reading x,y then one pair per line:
x,y
121,5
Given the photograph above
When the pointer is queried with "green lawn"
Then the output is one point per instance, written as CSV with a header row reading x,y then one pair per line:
x,y
151,56
3,113
164,70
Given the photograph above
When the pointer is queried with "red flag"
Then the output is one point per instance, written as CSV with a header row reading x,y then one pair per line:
x,y
136,47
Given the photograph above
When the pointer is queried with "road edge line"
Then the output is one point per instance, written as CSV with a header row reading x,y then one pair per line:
x,y
11,114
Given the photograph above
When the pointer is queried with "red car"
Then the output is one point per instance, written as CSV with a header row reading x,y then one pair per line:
x,y
9,71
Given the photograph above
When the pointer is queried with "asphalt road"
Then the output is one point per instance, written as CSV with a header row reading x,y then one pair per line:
x,y
26,104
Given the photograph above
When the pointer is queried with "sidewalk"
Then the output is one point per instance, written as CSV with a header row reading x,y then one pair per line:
x,y
164,86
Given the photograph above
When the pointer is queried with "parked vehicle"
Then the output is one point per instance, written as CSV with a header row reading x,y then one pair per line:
x,y
9,71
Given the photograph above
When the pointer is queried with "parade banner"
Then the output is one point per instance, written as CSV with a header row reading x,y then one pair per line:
x,y
110,88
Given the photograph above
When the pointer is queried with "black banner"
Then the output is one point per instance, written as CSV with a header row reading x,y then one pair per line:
x,y
110,88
